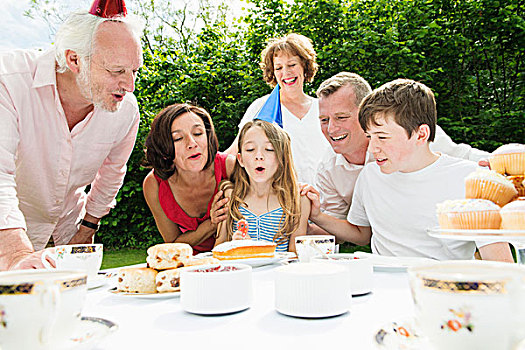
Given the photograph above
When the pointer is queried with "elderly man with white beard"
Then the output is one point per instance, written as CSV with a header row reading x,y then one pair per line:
x,y
69,119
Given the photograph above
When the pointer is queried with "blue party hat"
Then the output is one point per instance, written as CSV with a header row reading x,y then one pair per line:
x,y
271,110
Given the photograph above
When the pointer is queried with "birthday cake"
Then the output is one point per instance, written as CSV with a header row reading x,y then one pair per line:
x,y
244,249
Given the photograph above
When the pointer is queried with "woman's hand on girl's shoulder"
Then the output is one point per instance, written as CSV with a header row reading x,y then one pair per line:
x,y
219,211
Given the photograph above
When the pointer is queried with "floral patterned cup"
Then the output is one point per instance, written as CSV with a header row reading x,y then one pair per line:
x,y
87,257
40,309
309,246
469,304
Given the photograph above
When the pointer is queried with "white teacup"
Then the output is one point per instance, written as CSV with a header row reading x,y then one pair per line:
x,y
469,304
40,309
361,270
87,257
306,250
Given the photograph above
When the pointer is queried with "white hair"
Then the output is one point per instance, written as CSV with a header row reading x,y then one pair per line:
x,y
77,32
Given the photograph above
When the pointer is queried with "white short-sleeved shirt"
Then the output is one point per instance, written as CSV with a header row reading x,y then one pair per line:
x,y
399,207
336,177
308,141
335,181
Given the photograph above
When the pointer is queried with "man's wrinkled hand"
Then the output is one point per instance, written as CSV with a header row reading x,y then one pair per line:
x,y
84,235
30,261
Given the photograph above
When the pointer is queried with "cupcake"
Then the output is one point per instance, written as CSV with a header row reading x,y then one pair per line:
x,y
487,184
509,159
468,214
513,216
519,184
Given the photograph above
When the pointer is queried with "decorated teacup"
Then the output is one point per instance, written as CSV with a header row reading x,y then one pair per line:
x,y
469,304
40,309
312,245
87,257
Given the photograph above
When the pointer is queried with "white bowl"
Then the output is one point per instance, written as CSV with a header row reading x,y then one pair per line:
x,y
361,270
216,289
312,290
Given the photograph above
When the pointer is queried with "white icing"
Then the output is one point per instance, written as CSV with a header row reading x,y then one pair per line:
x,y
223,247
518,205
462,205
489,175
510,148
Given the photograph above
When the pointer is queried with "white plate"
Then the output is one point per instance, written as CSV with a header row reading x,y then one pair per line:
x,y
256,262
92,330
478,235
145,295
401,335
96,281
392,263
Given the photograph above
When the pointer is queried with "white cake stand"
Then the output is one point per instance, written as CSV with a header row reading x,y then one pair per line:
x,y
514,237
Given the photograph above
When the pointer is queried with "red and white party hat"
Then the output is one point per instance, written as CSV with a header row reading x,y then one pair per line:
x,y
108,8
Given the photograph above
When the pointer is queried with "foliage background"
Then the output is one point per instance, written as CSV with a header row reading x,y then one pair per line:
x,y
470,52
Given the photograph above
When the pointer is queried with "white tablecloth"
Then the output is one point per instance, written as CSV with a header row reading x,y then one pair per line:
x,y
161,324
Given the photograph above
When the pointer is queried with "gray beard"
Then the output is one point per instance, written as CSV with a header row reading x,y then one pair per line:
x,y
84,84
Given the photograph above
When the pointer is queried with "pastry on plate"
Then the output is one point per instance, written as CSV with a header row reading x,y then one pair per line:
x,y
509,159
468,214
168,255
136,280
244,249
513,215
488,184
168,281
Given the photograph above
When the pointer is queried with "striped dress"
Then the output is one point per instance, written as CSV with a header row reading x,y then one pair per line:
x,y
263,227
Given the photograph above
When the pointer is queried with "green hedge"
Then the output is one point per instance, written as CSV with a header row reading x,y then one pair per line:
x,y
469,52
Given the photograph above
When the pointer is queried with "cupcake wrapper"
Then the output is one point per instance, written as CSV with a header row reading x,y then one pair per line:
x,y
473,220
495,192
510,164
444,221
513,220
497,163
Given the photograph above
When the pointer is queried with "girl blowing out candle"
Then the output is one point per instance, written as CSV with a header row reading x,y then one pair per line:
x,y
263,190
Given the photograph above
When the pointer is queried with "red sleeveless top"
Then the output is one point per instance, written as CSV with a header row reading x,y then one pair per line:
x,y
175,213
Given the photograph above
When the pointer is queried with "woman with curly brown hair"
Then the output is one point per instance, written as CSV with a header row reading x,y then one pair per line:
x,y
181,189
290,62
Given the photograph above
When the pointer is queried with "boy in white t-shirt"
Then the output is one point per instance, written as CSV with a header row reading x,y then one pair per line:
x,y
395,198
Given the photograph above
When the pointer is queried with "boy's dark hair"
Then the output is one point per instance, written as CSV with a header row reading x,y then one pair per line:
x,y
409,102
160,151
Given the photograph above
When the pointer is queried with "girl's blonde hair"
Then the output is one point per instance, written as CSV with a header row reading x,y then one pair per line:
x,y
284,182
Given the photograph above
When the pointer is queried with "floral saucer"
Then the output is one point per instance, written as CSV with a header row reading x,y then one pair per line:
x,y
92,331
401,335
